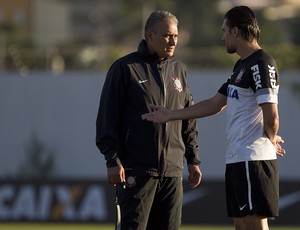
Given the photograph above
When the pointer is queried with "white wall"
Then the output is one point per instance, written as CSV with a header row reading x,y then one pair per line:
x,y
62,111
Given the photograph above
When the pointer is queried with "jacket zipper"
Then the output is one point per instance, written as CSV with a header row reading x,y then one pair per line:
x,y
162,164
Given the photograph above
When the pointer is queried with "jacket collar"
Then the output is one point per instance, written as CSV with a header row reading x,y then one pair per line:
x,y
142,49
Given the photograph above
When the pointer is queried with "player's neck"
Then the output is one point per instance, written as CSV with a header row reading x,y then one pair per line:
x,y
246,49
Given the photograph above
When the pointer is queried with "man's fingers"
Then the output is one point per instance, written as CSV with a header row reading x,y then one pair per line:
x,y
154,107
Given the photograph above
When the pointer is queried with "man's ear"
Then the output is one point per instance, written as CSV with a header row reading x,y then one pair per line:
x,y
235,31
148,35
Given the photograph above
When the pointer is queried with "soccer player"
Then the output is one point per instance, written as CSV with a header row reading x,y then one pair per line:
x,y
250,97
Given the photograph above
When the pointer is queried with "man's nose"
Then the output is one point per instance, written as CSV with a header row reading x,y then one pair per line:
x,y
172,41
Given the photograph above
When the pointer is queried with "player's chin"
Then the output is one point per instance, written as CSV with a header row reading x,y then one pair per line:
x,y
230,50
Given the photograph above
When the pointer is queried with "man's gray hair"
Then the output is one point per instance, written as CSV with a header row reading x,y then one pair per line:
x,y
159,16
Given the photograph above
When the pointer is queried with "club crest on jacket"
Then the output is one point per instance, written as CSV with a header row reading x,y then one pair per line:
x,y
177,84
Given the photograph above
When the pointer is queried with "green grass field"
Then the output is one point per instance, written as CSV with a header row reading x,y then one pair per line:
x,y
47,226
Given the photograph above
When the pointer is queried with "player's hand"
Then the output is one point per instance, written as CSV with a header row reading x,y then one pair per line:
x,y
159,114
278,142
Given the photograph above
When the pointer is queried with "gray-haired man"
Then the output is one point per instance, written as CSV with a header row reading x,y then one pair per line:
x,y
148,157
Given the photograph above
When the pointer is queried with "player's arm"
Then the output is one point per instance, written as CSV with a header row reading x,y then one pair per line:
x,y
203,108
271,126
271,120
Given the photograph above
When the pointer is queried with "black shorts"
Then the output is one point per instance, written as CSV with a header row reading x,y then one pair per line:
x,y
252,188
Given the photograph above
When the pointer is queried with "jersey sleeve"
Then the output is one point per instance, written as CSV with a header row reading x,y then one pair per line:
x,y
223,88
265,82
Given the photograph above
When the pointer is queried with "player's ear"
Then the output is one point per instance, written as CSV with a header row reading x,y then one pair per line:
x,y
235,31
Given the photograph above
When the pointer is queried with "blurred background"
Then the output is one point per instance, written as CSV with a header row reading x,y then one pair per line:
x,y
72,35
54,55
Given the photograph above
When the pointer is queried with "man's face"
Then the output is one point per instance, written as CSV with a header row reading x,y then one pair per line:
x,y
163,39
228,37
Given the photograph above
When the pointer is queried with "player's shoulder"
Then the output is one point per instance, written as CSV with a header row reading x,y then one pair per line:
x,y
262,56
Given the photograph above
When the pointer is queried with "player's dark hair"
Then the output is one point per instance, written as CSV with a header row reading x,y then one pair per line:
x,y
244,19
159,16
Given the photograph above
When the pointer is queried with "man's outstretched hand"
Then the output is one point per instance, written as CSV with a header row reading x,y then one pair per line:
x,y
159,114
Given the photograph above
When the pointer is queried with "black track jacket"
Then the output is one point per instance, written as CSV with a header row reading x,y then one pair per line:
x,y
144,148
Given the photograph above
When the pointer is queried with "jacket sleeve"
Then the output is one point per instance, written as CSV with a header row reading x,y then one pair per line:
x,y
110,110
190,136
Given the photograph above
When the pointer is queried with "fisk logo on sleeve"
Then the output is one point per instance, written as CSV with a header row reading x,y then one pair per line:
x,y
256,76
272,75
